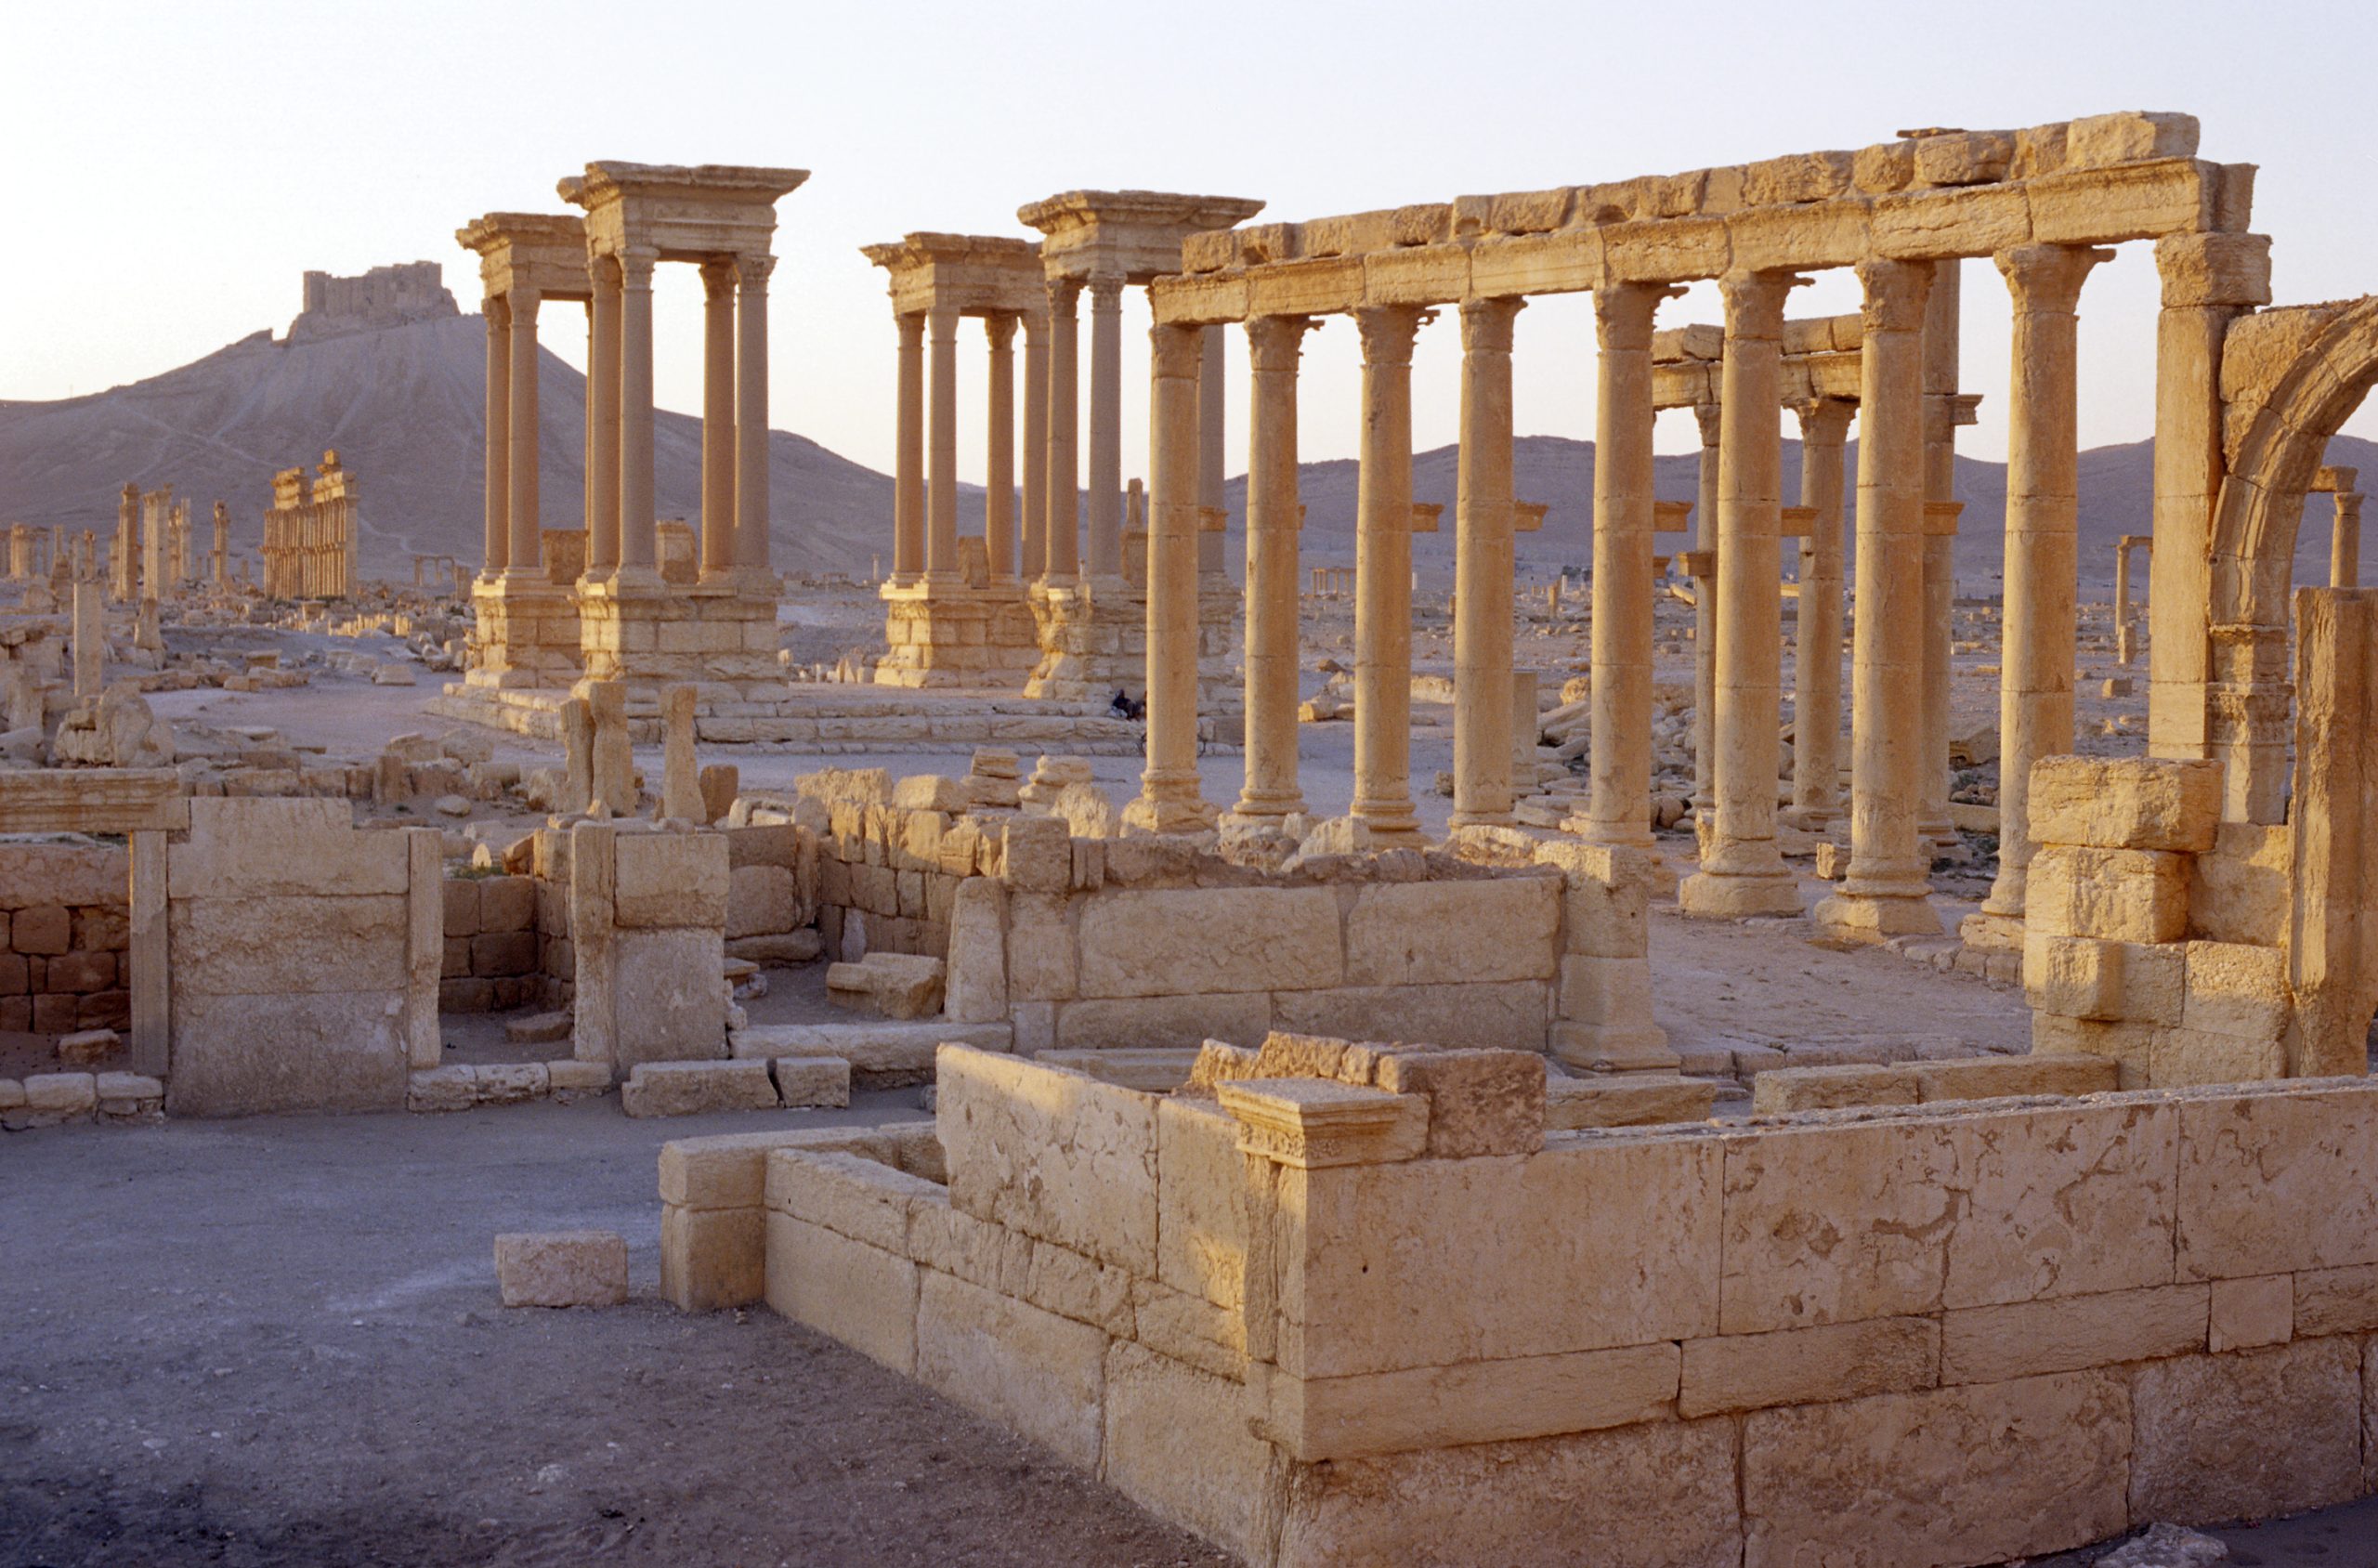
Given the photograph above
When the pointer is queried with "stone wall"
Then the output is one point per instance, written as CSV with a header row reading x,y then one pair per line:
x,y
648,939
64,911
494,952
1363,1308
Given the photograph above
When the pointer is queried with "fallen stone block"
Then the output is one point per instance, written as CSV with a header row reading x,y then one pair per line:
x,y
129,1097
813,1082
509,1083
679,1089
893,984
537,1028
562,1268
781,948
87,1048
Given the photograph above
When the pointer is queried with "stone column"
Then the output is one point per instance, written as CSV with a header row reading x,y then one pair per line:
x,y
1710,418
909,456
90,636
1885,893
754,563
1743,872
1169,800
1940,372
1033,559
1271,791
941,488
499,436
1816,671
2124,633
999,505
2344,541
1061,530
1618,809
681,790
222,563
718,418
1383,578
1213,362
602,443
523,508
639,558
1481,621
1106,427
590,476
2042,563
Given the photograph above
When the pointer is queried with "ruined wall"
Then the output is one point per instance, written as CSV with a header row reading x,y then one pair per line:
x,y
494,952
647,940
1371,1311
64,911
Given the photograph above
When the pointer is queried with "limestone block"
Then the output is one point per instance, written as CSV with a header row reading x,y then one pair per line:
x,y
2062,1200
1474,1402
1177,1443
1606,897
1658,1494
1924,225
1036,1373
2336,1301
1189,941
236,1055
670,880
461,905
1036,854
2252,1312
62,1096
2179,1058
1480,1102
1807,1365
289,944
1307,1123
2241,892
442,1089
885,1047
1990,1078
1447,932
848,1193
1503,1014
1954,1475
1820,1089
2125,802
267,847
2302,1405
677,1089
2116,895
2099,141
505,904
1201,1222
892,985
562,1268
670,1002
845,1289
569,1079
1879,170
2277,1183
1055,1155
2070,1333
730,1170
760,901
1625,1100
2073,977
976,981
810,1081
2234,989
1602,1240
1963,157
129,1097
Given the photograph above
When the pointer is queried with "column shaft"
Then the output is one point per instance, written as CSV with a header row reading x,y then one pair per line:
x,y
1940,372
1743,872
941,488
1816,669
753,554
1271,791
2042,563
1033,559
1704,608
1383,578
1619,767
499,440
2344,541
999,505
718,418
639,557
1213,362
908,455
1106,428
1062,529
1889,866
1169,800
589,475
527,551
602,444
1482,626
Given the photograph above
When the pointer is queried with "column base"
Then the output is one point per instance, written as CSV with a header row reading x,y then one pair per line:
x,y
1596,1048
1809,819
1715,895
1148,815
1991,932
1875,918
1393,824
948,634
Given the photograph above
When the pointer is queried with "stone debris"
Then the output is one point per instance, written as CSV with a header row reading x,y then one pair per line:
x,y
2166,1545
891,985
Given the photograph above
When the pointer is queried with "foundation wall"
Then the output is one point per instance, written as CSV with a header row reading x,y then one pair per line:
x,y
64,932
1301,1322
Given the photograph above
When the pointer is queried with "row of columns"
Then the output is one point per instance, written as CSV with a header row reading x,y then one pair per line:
x,y
924,545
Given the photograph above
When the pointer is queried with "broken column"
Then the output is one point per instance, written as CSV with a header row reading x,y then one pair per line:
x,y
614,764
578,755
681,790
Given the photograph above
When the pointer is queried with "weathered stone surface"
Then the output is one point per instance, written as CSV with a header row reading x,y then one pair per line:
x,y
1603,1239
1624,1100
2125,802
1823,1089
2070,1333
2117,895
677,1089
976,983
2252,1433
233,1056
812,1081
2336,1301
712,1258
760,901
1201,1222
845,1289
1949,1476
1472,1401
1454,933
562,1268
1480,1102
671,1003
1055,1154
2063,1201
1508,1015
868,1045
1153,1023
1805,1365
1177,1443
665,879
849,1193
730,1170
2247,1313
1041,1375
250,847
1987,1077
1187,941
1656,1496
287,945
2274,1183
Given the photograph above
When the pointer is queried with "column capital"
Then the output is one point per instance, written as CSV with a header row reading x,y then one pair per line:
x,y
1894,294
1711,418
998,326
1175,350
1387,332
1107,291
498,311
1064,296
520,302
1486,323
1826,421
1275,342
2046,279
1754,302
752,271
2349,506
912,327
718,279
1623,314
635,264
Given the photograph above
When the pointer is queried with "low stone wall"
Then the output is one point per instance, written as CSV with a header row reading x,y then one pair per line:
x,y
647,935
64,930
494,953
1363,1308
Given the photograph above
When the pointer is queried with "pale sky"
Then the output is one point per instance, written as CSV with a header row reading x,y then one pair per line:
x,y
172,168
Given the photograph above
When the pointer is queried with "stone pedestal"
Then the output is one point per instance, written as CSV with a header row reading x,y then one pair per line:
x,y
527,632
651,634
942,634
1093,643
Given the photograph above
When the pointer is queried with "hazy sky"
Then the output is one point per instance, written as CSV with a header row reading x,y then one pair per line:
x,y
172,168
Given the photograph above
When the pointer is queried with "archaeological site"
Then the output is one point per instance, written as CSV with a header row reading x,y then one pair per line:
x,y
1301,927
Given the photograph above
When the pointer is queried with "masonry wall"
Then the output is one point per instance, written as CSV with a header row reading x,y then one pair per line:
x,y
64,930
1936,1334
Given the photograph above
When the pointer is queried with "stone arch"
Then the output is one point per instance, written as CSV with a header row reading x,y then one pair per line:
x,y
2290,379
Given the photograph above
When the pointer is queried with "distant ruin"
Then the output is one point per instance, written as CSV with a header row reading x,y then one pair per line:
x,y
386,296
